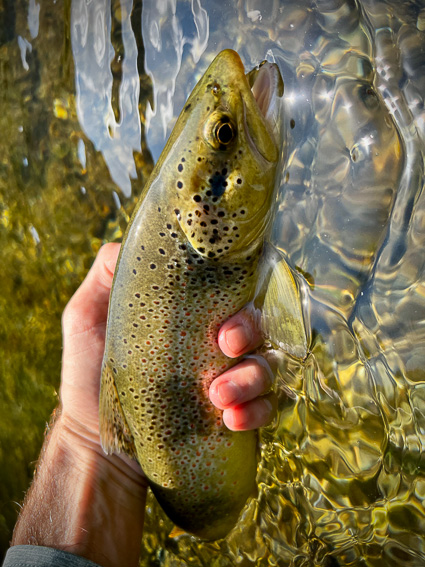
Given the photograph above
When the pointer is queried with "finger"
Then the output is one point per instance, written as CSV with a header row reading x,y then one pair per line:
x,y
251,415
88,307
239,334
244,382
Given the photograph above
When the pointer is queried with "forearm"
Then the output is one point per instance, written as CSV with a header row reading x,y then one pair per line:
x,y
83,502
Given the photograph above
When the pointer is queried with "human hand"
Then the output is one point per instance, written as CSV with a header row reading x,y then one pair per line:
x,y
83,501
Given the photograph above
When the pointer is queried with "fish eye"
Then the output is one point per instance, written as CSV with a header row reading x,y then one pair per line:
x,y
224,132
220,130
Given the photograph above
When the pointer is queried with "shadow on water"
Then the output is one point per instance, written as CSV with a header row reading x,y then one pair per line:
x,y
86,89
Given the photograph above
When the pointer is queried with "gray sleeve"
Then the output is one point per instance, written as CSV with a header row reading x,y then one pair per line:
x,y
37,556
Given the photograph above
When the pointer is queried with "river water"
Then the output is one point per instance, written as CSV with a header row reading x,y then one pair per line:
x,y
90,91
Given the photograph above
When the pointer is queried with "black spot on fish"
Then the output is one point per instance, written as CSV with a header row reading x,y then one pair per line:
x,y
161,251
197,198
218,184
292,123
186,108
179,185
180,167
238,180
152,266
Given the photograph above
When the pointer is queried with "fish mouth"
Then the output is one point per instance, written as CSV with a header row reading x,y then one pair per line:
x,y
267,88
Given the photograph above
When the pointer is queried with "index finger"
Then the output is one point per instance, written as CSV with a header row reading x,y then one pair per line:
x,y
240,334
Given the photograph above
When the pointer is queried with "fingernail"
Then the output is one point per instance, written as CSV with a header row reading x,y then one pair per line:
x,y
238,338
268,404
228,392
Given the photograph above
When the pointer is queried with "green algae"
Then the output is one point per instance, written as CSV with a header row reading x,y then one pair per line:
x,y
50,229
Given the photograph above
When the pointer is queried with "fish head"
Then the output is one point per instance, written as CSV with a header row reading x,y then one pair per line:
x,y
226,151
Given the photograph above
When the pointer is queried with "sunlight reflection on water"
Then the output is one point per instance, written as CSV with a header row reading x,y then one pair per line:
x,y
93,54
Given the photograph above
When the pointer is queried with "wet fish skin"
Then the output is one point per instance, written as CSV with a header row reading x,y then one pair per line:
x,y
187,263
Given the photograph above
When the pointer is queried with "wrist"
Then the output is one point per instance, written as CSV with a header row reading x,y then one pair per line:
x,y
83,501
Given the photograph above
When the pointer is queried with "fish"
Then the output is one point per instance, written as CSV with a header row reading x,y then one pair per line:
x,y
189,260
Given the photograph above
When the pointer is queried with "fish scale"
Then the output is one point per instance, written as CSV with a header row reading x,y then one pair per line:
x,y
188,262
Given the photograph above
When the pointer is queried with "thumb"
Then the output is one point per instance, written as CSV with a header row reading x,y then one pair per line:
x,y
88,307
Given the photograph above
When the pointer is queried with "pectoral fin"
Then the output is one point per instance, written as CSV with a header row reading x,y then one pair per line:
x,y
115,434
282,318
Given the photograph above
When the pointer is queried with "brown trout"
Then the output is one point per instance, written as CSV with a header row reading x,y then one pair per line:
x,y
188,262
